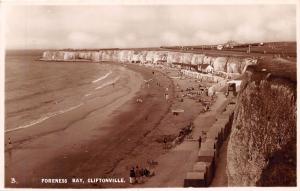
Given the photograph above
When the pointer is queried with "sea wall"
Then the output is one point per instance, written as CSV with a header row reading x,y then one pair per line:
x,y
262,145
230,65
202,77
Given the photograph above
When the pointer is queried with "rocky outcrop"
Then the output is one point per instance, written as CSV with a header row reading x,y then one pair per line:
x,y
264,128
220,64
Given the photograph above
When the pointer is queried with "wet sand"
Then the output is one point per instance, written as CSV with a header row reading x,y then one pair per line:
x,y
103,143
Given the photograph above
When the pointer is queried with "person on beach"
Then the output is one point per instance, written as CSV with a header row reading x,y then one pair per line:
x,y
199,141
165,143
9,149
132,176
9,143
137,174
167,96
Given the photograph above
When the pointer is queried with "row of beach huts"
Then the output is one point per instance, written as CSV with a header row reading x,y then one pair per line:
x,y
203,171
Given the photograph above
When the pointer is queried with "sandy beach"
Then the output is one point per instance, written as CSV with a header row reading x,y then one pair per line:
x,y
108,135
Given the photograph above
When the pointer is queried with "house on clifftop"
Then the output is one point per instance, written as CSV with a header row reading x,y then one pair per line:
x,y
205,68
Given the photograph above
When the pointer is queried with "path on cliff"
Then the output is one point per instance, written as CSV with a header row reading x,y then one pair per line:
x,y
173,165
220,179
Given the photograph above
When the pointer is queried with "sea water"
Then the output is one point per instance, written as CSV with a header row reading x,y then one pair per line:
x,y
36,90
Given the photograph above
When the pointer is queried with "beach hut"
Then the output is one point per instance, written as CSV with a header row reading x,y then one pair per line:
x,y
200,166
218,128
195,179
213,133
210,144
206,155
206,168
209,156
224,120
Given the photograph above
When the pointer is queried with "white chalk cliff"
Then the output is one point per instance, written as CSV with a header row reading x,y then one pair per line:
x,y
220,64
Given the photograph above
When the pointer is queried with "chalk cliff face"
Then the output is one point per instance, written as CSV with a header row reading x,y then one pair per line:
x,y
264,125
220,64
234,65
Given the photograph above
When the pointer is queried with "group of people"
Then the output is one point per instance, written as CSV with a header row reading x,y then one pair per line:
x,y
138,175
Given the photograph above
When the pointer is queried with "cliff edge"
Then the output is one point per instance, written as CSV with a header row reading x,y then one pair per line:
x,y
262,145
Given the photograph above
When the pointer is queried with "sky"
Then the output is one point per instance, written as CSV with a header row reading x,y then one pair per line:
x,y
121,26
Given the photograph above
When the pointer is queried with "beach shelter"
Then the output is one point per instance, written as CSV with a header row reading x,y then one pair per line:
x,y
205,167
234,86
195,179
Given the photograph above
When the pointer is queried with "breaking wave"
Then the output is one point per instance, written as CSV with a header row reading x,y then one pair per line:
x,y
108,83
47,116
102,77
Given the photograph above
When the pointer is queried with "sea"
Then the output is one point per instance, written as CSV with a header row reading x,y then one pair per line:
x,y
36,90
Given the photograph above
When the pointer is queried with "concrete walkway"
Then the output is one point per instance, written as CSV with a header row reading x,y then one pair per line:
x,y
174,164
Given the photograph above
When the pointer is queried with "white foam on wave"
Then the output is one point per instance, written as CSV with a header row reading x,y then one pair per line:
x,y
102,77
108,83
47,116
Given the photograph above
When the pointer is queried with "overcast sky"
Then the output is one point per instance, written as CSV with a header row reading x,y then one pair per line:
x,y
105,26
